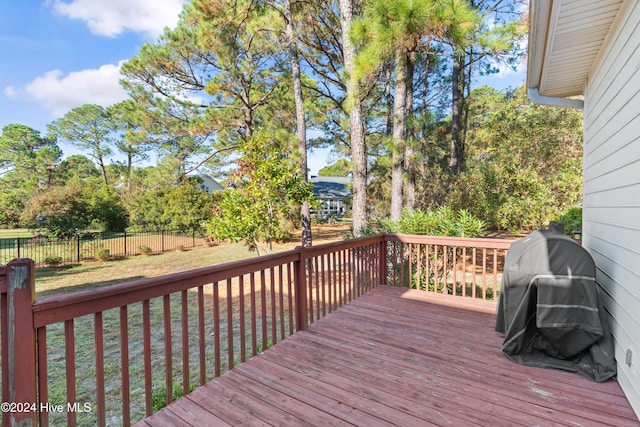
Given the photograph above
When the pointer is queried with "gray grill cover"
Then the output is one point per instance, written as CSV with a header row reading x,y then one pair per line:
x,y
550,310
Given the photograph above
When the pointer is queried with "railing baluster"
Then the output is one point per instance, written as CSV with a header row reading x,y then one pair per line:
x,y
445,270
166,301
436,267
473,274
254,318
263,307
43,376
323,293
290,296
484,273
281,299
216,330
464,271
331,291
184,302
313,283
201,337
230,361
241,315
98,330
70,366
495,274
455,271
274,317
350,273
146,344
124,365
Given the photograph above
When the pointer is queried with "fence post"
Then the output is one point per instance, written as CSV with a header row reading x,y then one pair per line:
x,y
125,242
78,247
300,284
22,342
19,247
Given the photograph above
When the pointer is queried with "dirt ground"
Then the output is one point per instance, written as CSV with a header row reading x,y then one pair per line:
x,y
320,234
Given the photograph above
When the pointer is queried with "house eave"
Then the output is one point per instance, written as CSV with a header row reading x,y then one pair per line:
x,y
565,40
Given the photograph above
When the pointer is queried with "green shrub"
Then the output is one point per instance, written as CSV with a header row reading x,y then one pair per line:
x,y
145,250
159,400
53,260
103,254
441,222
572,220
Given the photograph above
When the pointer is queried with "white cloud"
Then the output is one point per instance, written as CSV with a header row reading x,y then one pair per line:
x,y
10,92
112,17
59,93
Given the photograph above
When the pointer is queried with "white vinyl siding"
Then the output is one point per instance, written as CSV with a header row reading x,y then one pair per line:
x,y
611,215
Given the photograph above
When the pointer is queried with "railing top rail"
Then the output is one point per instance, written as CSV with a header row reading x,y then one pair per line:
x,y
327,248
482,243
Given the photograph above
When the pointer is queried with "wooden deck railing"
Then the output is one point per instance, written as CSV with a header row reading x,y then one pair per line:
x,y
112,355
452,265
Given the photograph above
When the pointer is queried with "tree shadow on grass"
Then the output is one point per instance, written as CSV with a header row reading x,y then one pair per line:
x,y
84,286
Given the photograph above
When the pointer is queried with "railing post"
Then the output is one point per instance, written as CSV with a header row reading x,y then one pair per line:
x,y
300,283
78,246
125,242
22,342
382,279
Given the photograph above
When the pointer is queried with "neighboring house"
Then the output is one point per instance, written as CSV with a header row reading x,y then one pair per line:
x,y
592,48
208,184
335,194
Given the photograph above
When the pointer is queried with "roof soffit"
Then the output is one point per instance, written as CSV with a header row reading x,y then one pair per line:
x,y
565,38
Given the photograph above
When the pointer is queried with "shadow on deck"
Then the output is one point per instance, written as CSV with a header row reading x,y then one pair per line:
x,y
397,357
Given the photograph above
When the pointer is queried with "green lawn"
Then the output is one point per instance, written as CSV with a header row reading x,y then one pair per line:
x,y
15,232
75,277
87,275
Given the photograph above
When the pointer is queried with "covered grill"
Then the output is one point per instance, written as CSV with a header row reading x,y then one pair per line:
x,y
550,310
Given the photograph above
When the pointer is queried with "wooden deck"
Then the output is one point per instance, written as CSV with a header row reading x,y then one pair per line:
x,y
398,357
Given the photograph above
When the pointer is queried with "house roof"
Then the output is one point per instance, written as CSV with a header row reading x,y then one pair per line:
x,y
565,39
331,187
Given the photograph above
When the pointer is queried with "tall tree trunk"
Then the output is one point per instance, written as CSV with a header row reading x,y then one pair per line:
x,y
301,128
457,148
103,169
399,129
389,101
409,152
358,153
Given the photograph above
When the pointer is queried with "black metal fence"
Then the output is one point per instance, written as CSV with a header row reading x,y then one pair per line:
x,y
78,248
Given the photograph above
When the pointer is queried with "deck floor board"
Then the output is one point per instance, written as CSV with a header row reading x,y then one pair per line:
x,y
398,357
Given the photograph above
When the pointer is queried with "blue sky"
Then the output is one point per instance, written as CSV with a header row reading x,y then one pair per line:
x,y
59,54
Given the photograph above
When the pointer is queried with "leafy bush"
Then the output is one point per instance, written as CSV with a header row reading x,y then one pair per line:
x,y
441,222
145,250
159,400
103,254
57,212
53,260
524,162
572,220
